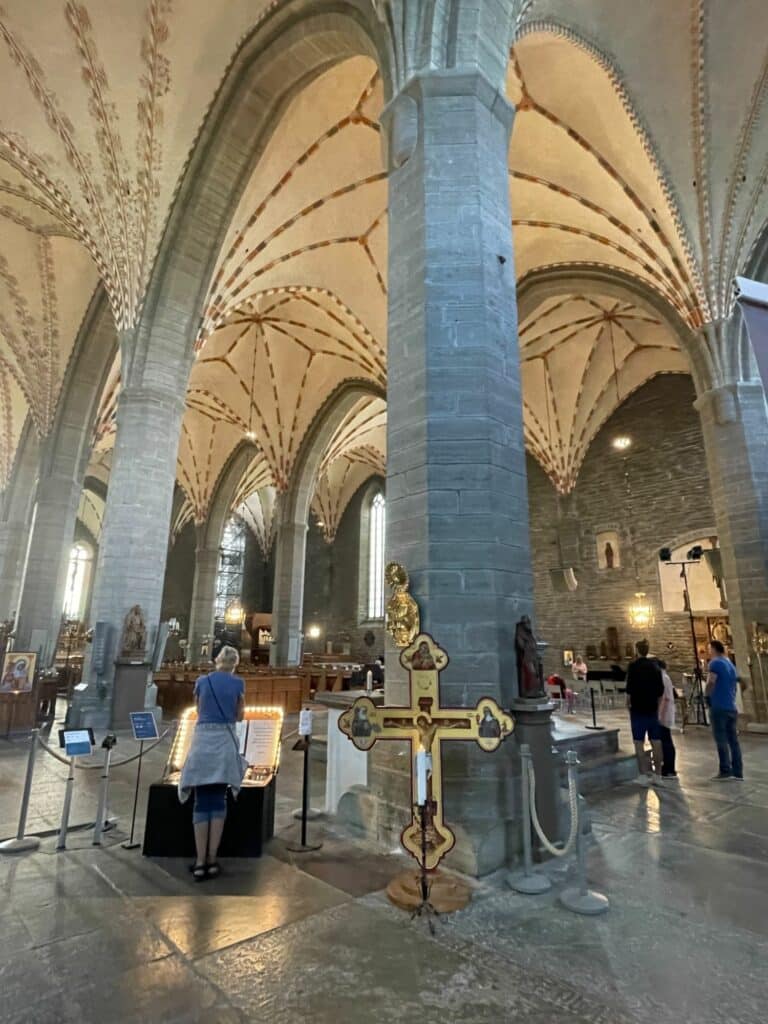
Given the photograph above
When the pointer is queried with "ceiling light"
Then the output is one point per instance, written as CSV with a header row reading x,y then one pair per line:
x,y
621,443
313,632
250,435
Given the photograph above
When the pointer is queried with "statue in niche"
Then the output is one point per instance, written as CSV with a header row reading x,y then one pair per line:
x,y
608,550
530,672
403,619
134,639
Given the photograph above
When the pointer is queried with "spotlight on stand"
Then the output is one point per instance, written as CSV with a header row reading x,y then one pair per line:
x,y
697,692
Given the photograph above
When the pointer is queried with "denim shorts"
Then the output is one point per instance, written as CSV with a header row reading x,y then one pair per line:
x,y
642,724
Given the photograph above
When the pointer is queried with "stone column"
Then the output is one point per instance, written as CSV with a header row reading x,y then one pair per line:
x,y
16,507
45,573
457,509
134,539
203,599
734,422
288,599
14,540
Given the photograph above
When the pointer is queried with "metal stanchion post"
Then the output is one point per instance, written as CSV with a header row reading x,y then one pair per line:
x,y
303,743
579,898
101,813
594,716
528,880
22,842
62,841
130,845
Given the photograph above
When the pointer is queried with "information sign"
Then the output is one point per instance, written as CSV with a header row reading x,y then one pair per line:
x,y
143,725
76,742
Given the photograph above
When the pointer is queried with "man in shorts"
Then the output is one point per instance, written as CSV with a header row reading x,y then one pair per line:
x,y
645,689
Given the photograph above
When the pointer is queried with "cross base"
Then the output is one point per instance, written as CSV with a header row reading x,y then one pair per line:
x,y
445,894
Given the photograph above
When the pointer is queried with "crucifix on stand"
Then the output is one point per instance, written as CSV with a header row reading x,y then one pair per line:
x,y
425,724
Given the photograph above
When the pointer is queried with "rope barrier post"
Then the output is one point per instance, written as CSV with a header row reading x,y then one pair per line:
x,y
594,716
130,845
579,898
22,842
101,812
303,743
62,841
527,881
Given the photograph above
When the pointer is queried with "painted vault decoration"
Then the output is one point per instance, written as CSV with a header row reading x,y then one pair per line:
x,y
425,724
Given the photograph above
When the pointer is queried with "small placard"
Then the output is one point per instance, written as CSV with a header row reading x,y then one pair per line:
x,y
143,725
305,722
76,742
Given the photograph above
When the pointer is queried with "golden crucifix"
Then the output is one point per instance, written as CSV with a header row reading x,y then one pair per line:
x,y
426,724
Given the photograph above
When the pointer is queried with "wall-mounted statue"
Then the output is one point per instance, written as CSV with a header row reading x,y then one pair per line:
x,y
133,643
403,619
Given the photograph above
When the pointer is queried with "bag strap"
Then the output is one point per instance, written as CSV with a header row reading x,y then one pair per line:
x,y
221,712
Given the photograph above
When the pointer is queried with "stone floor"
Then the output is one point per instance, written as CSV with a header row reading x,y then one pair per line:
x,y
103,934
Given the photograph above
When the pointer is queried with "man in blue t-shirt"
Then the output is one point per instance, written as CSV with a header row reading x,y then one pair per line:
x,y
722,682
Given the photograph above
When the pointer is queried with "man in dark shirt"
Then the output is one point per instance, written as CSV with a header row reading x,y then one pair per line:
x,y
645,688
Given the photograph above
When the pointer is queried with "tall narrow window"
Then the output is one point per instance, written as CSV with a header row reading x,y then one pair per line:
x,y
78,575
376,558
229,578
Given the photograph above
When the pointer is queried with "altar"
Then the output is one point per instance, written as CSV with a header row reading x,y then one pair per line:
x,y
250,817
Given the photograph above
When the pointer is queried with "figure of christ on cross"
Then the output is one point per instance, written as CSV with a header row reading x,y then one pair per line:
x,y
425,724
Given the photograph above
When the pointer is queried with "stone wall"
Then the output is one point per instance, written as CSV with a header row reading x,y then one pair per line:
x,y
663,500
258,577
180,578
332,587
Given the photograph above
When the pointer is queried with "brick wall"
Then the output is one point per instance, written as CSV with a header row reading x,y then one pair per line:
x,y
665,500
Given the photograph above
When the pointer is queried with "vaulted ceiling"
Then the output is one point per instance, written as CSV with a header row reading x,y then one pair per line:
x,y
639,147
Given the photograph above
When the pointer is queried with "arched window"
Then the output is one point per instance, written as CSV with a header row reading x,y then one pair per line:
x,y
78,577
229,578
376,558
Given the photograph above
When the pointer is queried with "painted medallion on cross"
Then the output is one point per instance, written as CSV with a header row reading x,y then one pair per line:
x,y
425,724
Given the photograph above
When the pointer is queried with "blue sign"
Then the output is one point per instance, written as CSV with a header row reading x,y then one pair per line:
x,y
144,725
77,742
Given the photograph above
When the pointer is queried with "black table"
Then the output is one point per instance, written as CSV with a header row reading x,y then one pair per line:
x,y
168,830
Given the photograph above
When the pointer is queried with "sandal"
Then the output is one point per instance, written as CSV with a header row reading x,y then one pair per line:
x,y
199,872
213,870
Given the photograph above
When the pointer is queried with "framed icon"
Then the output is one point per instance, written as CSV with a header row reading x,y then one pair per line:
x,y
18,673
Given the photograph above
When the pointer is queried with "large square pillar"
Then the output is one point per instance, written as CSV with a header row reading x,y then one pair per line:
x,y
457,509
734,421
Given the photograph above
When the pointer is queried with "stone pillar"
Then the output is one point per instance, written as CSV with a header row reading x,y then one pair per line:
x,y
457,509
134,539
14,540
17,506
288,599
45,573
203,599
734,422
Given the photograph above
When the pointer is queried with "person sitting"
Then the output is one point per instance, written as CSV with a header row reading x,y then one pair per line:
x,y
555,682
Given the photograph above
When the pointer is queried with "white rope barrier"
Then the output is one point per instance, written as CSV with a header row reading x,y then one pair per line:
x,y
573,803
97,767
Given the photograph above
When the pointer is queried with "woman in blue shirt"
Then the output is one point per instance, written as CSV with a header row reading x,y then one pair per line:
x,y
722,682
214,761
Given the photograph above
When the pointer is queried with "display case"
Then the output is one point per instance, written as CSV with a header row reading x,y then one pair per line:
x,y
250,817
